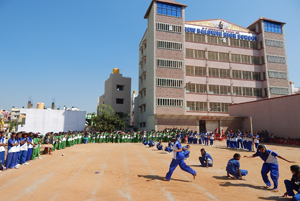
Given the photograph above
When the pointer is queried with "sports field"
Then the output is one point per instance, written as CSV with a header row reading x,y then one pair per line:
x,y
135,172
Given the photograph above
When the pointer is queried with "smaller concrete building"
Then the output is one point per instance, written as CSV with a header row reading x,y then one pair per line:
x,y
117,93
280,116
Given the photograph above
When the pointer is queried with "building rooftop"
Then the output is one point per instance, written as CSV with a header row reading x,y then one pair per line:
x,y
267,19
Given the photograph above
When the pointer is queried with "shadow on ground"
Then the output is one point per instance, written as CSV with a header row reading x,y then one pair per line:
x,y
156,177
244,185
272,198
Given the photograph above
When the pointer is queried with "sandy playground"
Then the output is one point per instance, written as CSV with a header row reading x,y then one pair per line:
x,y
135,172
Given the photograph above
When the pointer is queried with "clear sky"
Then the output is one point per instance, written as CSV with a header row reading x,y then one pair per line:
x,y
66,49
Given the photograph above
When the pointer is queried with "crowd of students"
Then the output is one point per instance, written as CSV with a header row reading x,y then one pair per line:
x,y
23,147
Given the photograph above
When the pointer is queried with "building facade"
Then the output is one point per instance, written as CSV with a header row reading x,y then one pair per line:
x,y
190,71
117,93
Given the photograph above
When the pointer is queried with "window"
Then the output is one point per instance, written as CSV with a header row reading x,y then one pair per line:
x,y
120,101
200,54
168,9
234,42
189,53
279,90
256,75
213,55
212,39
199,38
225,90
223,56
236,58
173,83
273,27
237,74
196,88
214,89
247,75
237,91
169,45
219,107
120,87
169,102
200,71
277,75
189,70
216,72
247,91
275,59
168,27
257,92
164,63
274,43
196,106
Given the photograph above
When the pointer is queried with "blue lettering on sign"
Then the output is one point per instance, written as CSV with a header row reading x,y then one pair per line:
x,y
220,34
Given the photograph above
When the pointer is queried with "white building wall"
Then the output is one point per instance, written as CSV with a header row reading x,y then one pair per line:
x,y
44,121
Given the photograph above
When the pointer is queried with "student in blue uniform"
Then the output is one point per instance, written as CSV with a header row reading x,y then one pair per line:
x,y
151,143
270,165
11,150
2,147
249,142
293,184
195,138
205,135
205,159
30,146
256,140
186,151
211,139
233,168
18,150
159,145
228,140
178,159
169,148
23,149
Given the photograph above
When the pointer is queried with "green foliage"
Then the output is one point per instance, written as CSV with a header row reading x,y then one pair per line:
x,y
109,120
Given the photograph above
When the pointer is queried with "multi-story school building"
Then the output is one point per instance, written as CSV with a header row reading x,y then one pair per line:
x,y
190,71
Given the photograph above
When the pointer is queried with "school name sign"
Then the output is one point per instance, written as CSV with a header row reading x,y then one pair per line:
x,y
222,33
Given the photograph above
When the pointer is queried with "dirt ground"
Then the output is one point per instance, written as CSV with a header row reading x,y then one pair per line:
x,y
135,172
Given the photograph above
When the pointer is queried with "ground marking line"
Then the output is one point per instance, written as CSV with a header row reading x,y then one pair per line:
x,y
167,194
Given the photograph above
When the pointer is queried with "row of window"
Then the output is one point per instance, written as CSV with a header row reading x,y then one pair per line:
x,y
174,83
169,102
275,59
168,27
169,63
274,43
238,58
169,45
225,73
225,90
273,27
279,90
221,56
247,91
202,106
222,41
168,9
277,74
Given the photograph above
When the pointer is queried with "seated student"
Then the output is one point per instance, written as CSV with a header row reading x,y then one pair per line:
x,y
186,151
205,159
159,145
151,143
145,142
233,168
169,148
294,184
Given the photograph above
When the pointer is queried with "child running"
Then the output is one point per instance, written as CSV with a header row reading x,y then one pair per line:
x,y
178,159
270,165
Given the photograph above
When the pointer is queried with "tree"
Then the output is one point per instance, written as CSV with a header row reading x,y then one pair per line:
x,y
109,120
